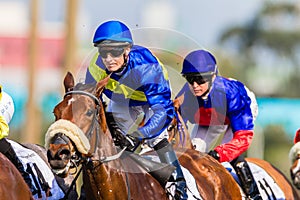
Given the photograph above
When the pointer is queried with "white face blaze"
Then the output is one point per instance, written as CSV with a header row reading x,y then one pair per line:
x,y
70,101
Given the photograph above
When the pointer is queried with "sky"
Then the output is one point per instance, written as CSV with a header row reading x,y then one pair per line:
x,y
198,19
191,23
201,22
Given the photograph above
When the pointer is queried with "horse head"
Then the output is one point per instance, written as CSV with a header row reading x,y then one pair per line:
x,y
79,118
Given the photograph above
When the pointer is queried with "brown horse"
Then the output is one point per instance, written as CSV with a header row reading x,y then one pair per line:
x,y
180,138
12,184
80,136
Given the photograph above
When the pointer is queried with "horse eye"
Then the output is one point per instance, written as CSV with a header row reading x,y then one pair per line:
x,y
89,113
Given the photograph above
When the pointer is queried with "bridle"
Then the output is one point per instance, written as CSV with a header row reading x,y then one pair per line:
x,y
95,114
95,125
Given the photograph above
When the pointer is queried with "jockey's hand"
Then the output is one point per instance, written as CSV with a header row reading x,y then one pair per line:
x,y
132,141
119,137
214,154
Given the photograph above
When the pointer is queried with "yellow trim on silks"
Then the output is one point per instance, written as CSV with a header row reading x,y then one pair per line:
x,y
97,73
4,128
165,71
113,85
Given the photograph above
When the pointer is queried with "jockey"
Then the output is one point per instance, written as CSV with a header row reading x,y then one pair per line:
x,y
6,113
219,107
138,88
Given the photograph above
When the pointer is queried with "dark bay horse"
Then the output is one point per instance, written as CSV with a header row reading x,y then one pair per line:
x,y
80,136
12,184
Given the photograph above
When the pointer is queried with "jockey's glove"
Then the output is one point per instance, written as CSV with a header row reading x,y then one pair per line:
x,y
133,141
214,154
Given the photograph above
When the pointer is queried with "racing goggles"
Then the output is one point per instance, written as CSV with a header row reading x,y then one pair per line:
x,y
198,78
113,51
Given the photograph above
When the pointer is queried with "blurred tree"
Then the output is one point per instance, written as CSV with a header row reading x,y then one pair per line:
x,y
71,37
33,123
277,147
273,34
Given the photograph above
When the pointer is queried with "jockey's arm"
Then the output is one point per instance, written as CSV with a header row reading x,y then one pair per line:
x,y
238,145
241,119
158,93
160,119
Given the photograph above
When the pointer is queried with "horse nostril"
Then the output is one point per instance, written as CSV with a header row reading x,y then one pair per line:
x,y
49,155
63,154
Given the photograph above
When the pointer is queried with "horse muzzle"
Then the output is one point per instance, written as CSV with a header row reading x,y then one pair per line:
x,y
60,162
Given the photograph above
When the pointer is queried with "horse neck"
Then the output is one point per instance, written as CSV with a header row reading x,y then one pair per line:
x,y
106,177
102,145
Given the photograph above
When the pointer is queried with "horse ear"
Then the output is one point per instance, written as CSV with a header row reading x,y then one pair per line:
x,y
69,82
178,101
100,85
297,136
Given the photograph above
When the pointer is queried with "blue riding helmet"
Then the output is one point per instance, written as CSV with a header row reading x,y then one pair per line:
x,y
199,61
113,31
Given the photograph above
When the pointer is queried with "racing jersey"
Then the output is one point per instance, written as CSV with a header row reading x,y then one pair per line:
x,y
144,81
228,103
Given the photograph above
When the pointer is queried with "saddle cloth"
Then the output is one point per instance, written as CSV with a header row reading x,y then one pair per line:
x,y
268,188
192,190
41,175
